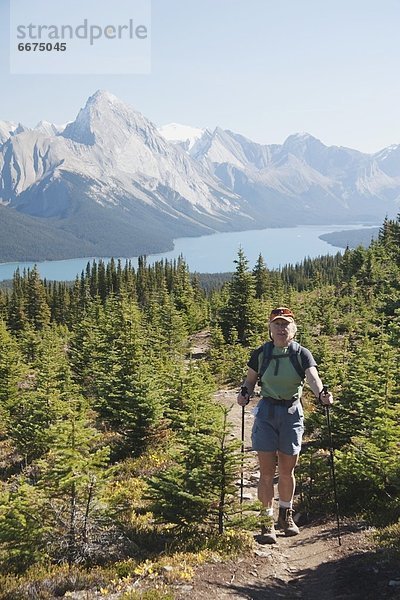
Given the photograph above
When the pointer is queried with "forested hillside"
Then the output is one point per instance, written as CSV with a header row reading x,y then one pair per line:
x,y
111,446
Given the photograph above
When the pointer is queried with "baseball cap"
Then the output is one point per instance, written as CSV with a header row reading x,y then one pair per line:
x,y
281,313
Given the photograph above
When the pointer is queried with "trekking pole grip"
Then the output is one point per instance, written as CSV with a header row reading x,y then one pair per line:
x,y
324,391
245,392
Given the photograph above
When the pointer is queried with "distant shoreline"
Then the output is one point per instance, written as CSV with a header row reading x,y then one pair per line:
x,y
351,238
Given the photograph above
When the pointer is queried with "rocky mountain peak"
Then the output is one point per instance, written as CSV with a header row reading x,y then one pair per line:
x,y
106,121
297,143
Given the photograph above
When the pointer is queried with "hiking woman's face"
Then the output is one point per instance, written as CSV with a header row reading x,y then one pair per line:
x,y
282,332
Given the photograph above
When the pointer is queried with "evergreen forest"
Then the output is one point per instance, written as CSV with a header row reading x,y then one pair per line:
x,y
112,447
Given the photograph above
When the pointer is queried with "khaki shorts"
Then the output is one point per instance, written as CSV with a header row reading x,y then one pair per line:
x,y
275,428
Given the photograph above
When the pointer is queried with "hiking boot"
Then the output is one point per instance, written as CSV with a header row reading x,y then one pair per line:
x,y
268,532
285,521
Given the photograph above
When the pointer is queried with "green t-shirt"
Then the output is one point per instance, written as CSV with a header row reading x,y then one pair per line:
x,y
280,380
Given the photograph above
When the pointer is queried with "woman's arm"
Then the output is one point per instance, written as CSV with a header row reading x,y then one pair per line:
x,y
316,385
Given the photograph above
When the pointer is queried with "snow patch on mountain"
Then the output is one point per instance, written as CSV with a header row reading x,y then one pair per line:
x,y
184,135
388,160
374,181
9,129
48,128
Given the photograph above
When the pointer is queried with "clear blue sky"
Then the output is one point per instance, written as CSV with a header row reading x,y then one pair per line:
x,y
262,68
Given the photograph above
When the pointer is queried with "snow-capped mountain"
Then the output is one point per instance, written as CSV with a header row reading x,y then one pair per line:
x,y
110,170
311,179
123,147
182,135
111,183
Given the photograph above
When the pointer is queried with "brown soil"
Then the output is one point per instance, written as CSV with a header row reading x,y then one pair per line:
x,y
311,566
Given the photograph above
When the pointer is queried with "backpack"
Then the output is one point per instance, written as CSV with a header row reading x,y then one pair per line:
x,y
294,356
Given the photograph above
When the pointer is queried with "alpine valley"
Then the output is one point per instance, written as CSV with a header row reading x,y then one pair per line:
x,y
111,184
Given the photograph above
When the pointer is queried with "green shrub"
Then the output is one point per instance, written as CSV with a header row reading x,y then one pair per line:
x,y
44,583
148,595
389,539
231,543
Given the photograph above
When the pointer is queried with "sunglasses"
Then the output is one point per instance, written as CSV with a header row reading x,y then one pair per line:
x,y
281,312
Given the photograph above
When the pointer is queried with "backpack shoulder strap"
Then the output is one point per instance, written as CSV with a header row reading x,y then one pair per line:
x,y
265,358
295,351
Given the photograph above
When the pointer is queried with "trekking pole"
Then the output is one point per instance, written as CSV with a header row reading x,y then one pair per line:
x,y
244,391
332,464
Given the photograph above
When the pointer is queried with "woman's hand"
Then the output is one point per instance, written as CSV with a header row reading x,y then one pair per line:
x,y
247,388
325,397
243,396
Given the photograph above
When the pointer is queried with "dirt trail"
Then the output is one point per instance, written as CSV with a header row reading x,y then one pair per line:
x,y
311,566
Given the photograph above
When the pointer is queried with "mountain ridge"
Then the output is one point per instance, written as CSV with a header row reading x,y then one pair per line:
x,y
109,180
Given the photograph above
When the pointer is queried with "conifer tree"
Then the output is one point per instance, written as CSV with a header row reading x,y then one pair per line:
x,y
361,391
168,332
23,531
240,312
191,387
226,470
92,275
37,309
12,372
16,313
369,461
129,281
183,295
261,278
41,401
197,490
142,283
71,475
120,380
102,280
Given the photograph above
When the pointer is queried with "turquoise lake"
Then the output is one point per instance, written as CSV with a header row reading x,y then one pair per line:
x,y
215,253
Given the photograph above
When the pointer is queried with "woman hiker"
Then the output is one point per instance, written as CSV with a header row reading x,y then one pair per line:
x,y
278,427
